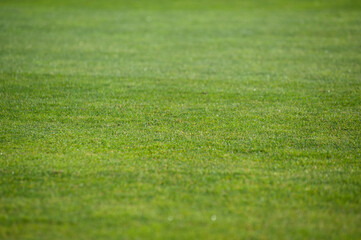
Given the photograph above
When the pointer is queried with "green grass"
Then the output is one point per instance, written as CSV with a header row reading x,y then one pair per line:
x,y
143,119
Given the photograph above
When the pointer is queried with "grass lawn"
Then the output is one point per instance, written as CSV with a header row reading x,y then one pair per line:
x,y
155,119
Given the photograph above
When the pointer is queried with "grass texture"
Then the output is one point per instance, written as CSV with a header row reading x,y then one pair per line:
x,y
180,119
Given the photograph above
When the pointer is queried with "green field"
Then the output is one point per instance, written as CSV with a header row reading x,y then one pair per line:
x,y
155,119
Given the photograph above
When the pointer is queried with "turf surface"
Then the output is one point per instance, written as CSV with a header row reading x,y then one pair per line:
x,y
180,119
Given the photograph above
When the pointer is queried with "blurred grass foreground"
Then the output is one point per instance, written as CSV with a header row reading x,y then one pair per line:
x,y
160,119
